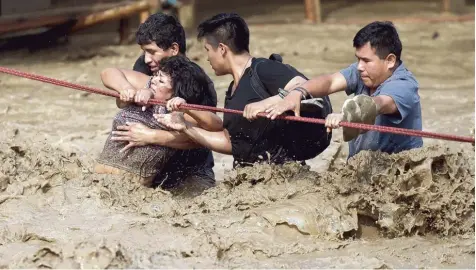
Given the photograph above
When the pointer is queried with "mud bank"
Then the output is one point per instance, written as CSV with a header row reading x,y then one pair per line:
x,y
61,215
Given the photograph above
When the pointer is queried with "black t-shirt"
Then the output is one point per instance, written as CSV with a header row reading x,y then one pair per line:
x,y
141,66
261,138
185,162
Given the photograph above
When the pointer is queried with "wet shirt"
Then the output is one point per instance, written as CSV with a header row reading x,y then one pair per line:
x,y
185,162
403,88
143,161
262,138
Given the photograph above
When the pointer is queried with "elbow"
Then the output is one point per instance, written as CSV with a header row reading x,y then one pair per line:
x,y
217,126
214,124
105,74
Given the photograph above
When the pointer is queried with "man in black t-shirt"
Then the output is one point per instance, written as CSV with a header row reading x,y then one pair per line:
x,y
226,40
163,36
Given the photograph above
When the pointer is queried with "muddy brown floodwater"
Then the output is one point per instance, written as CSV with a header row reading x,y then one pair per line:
x,y
410,210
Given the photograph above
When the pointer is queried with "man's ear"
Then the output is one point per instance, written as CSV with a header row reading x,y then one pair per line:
x,y
175,48
391,61
222,48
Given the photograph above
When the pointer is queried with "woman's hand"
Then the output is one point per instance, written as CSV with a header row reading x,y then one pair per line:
x,y
142,97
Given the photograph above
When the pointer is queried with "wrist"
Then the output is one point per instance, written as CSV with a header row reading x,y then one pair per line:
x,y
188,126
126,87
294,95
153,138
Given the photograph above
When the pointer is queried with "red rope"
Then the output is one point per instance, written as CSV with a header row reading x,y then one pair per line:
x,y
401,131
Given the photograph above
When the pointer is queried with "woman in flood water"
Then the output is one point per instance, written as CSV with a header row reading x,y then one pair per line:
x,y
176,78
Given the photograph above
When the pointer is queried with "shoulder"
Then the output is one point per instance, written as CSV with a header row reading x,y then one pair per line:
x,y
405,76
402,90
268,67
352,79
402,84
265,64
349,70
351,74
141,66
402,80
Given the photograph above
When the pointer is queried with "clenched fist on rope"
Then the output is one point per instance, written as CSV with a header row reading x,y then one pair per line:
x,y
360,109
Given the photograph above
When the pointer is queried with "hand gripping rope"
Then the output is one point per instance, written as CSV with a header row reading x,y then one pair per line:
x,y
401,131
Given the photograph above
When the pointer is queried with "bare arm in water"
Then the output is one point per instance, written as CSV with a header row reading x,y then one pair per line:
x,y
206,120
125,82
218,141
138,134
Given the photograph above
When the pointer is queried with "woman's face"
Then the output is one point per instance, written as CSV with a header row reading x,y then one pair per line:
x,y
162,85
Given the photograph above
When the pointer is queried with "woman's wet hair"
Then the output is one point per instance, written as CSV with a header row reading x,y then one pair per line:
x,y
188,80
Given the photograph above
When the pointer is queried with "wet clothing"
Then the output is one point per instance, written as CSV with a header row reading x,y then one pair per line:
x,y
145,161
261,139
403,88
185,164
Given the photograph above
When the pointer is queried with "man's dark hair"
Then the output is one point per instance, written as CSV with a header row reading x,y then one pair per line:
x,y
383,37
162,29
227,28
188,80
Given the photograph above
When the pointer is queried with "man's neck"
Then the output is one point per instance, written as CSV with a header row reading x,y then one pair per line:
x,y
238,65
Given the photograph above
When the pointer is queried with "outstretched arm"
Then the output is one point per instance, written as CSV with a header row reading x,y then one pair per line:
x,y
125,82
317,87
218,141
206,120
138,134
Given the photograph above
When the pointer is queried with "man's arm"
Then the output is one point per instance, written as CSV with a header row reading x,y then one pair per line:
x,y
125,82
216,141
173,139
324,85
397,99
317,87
385,104
138,134
118,79
206,120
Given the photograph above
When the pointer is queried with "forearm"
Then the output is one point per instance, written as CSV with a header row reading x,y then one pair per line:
x,y
216,141
206,120
115,79
318,87
385,104
173,139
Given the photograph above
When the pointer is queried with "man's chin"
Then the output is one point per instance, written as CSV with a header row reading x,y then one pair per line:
x,y
219,73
